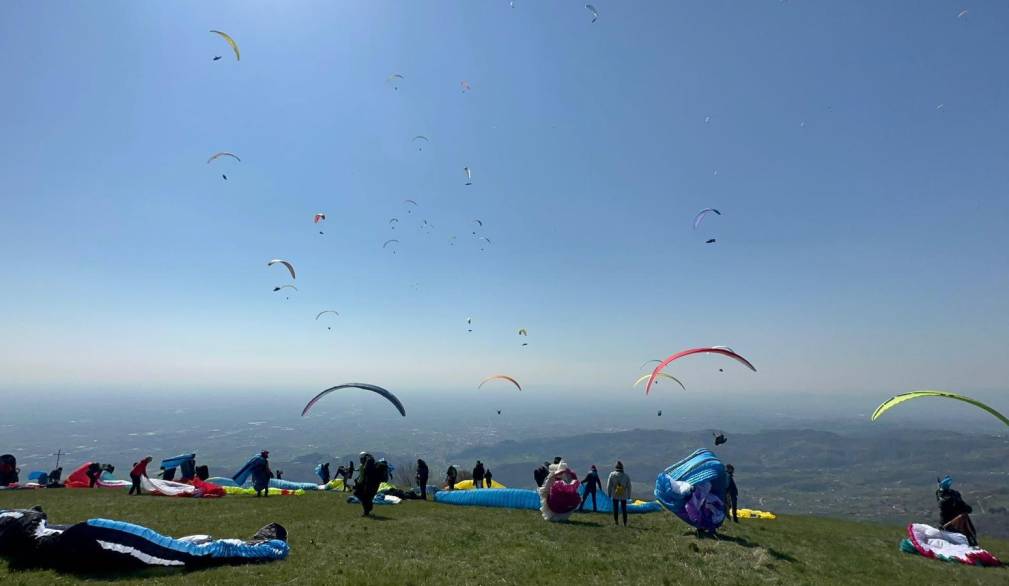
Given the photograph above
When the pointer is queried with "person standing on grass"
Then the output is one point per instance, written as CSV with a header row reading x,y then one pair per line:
x,y
488,478
732,494
422,474
618,488
367,483
139,470
591,483
262,474
478,472
451,475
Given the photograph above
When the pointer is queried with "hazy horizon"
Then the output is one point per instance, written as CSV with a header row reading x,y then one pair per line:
x,y
860,176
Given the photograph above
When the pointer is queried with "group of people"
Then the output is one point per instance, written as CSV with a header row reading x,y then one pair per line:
x,y
481,476
346,473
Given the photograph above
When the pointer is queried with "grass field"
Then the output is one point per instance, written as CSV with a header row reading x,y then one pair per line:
x,y
425,543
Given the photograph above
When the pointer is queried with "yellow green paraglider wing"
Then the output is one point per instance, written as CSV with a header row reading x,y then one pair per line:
x,y
897,400
231,41
645,377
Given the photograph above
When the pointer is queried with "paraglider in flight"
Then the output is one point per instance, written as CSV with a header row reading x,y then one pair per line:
x,y
592,9
647,362
710,241
278,288
524,344
645,377
319,217
722,351
388,242
394,80
393,222
465,86
217,58
660,413
707,119
363,386
216,156
499,412
523,332
962,14
411,202
893,401
719,438
290,267
451,240
224,176
503,377
469,175
700,215
231,41
324,312
420,138
469,321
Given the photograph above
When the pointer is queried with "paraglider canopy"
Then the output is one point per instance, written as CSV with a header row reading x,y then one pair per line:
x,y
645,377
897,400
701,214
683,353
216,156
290,267
231,41
500,377
364,386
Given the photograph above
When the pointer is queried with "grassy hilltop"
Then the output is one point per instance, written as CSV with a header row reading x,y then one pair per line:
x,y
425,543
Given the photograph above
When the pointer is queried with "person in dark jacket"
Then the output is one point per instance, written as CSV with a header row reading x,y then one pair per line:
x,y
954,513
540,474
451,475
591,484
367,483
139,471
478,471
262,474
422,474
94,472
324,473
488,478
382,468
732,494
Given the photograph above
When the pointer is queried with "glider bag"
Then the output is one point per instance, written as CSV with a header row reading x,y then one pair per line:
x,y
103,545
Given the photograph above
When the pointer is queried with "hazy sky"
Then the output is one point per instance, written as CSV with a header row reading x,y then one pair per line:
x,y
857,151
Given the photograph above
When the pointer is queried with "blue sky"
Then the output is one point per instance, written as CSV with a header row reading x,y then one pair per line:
x,y
862,245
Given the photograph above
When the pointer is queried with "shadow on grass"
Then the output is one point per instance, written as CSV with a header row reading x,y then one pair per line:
x,y
582,523
744,542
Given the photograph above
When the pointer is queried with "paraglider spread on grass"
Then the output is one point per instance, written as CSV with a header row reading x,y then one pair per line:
x,y
103,545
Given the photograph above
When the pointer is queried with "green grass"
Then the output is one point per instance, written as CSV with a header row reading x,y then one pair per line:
x,y
425,543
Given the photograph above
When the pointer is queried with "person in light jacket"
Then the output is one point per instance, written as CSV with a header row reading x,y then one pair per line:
x,y
618,488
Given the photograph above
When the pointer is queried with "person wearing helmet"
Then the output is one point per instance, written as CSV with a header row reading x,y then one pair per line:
x,y
954,513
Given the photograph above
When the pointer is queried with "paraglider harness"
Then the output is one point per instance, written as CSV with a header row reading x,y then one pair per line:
x,y
954,514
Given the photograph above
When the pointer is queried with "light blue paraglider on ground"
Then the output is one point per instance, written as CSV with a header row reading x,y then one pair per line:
x,y
524,498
